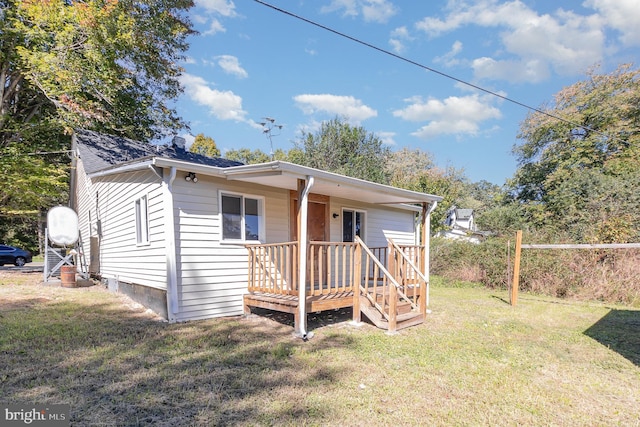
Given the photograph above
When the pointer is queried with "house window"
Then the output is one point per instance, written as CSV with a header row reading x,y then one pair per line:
x,y
242,217
353,223
142,221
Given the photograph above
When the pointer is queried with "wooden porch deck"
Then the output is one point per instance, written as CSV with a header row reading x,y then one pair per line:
x,y
388,281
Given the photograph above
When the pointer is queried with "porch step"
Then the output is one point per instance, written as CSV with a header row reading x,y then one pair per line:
x,y
402,307
404,320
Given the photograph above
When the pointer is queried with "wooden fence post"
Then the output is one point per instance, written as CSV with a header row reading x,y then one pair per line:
x,y
516,269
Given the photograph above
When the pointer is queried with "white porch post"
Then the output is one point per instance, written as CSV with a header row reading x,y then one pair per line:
x,y
304,187
426,236
170,239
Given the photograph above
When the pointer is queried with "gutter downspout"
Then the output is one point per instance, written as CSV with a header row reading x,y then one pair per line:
x,y
303,200
426,232
170,239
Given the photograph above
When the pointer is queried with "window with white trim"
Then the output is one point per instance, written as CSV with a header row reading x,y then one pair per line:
x,y
242,217
353,223
142,221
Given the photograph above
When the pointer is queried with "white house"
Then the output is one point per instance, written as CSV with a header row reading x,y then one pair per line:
x,y
461,226
182,233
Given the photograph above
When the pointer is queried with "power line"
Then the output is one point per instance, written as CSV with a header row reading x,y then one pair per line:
x,y
433,70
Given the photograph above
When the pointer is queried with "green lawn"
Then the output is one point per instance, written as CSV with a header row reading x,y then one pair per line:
x,y
476,361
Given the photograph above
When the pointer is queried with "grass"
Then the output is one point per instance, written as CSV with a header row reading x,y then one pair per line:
x,y
476,361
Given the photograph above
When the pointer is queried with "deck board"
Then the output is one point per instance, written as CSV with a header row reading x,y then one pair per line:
x,y
289,303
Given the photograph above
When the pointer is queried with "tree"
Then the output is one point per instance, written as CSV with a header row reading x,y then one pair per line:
x,y
345,149
565,164
246,156
106,65
204,145
102,64
405,166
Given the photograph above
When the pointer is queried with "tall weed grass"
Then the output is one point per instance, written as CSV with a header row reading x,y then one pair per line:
x,y
603,275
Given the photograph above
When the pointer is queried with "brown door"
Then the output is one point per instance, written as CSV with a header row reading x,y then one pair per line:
x,y
317,231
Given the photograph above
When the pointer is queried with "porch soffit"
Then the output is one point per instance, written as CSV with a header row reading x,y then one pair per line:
x,y
285,175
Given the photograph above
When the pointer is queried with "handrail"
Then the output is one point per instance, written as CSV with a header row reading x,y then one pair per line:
x,y
388,281
416,270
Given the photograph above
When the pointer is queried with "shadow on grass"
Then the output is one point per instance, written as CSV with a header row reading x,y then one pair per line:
x,y
118,367
619,330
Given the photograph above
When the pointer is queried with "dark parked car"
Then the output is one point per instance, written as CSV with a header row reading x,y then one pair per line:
x,y
13,255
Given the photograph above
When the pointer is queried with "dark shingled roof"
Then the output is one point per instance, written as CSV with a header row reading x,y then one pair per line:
x,y
99,151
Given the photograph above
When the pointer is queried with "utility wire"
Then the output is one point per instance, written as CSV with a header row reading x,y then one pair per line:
x,y
433,70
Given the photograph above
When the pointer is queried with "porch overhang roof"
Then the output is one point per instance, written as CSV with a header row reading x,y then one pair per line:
x,y
285,175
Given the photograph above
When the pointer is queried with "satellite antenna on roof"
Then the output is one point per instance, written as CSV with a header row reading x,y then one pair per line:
x,y
269,124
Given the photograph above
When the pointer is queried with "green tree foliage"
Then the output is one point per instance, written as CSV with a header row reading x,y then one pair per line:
x,y
405,166
204,145
102,64
106,65
568,172
247,156
345,149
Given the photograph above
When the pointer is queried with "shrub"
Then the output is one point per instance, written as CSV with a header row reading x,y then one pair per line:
x,y
604,275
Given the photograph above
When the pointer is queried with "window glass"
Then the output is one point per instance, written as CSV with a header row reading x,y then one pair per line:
x,y
142,221
359,225
347,226
251,219
231,217
242,217
352,225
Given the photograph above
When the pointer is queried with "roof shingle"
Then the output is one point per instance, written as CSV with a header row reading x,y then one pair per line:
x,y
100,151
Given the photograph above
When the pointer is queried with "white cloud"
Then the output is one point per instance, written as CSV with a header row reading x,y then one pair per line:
x,y
224,105
387,138
214,27
566,42
451,116
371,10
532,71
213,8
621,15
449,59
398,37
231,65
351,108
219,7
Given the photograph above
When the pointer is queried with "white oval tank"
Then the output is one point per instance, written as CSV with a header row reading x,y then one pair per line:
x,y
62,226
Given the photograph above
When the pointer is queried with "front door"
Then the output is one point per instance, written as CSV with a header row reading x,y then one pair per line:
x,y
317,231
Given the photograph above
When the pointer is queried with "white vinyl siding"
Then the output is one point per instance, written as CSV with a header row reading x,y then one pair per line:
x,y
114,207
213,272
381,223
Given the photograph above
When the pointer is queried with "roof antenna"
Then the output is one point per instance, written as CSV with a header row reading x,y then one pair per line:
x,y
268,125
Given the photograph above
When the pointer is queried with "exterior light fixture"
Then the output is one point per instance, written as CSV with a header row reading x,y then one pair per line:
x,y
191,177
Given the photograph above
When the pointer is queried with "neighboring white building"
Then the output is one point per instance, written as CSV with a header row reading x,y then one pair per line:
x,y
462,226
169,227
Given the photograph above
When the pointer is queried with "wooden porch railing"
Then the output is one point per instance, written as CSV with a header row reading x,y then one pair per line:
x,y
273,268
332,268
385,276
379,285
406,266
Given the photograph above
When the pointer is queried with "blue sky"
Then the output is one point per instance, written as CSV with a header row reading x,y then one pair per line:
x,y
250,61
